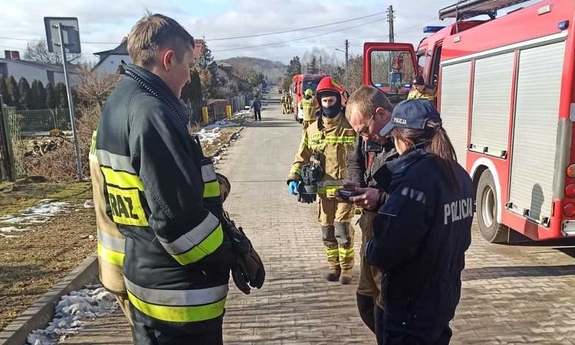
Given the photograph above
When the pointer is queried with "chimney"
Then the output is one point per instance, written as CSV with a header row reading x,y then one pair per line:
x,y
12,55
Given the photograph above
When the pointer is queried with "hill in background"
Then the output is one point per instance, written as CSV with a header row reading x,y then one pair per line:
x,y
273,70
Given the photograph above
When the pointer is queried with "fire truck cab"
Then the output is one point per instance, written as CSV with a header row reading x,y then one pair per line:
x,y
505,93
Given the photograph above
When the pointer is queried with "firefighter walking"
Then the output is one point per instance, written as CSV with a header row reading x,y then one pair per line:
x,y
309,108
327,142
284,102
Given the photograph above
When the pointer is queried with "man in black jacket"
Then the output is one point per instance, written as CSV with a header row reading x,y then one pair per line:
x,y
163,194
368,156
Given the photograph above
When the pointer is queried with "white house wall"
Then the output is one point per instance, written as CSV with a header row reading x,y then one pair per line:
x,y
28,72
31,73
111,63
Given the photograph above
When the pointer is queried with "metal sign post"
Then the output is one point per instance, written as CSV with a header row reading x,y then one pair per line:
x,y
70,42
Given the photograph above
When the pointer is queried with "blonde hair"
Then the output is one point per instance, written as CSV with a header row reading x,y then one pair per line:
x,y
367,99
154,32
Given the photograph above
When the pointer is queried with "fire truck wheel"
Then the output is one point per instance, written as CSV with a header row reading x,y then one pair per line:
x,y
486,208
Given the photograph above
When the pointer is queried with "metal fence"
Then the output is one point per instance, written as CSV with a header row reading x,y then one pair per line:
x,y
13,146
43,120
238,103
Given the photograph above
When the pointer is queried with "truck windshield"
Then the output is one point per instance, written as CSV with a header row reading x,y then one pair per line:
x,y
392,72
310,83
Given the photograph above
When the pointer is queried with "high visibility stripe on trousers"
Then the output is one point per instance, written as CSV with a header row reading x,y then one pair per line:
x,y
110,248
346,253
178,305
332,253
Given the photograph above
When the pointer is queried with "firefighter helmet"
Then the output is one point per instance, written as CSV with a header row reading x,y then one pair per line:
x,y
309,92
328,84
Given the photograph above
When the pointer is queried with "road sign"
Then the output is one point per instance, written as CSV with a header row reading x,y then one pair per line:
x,y
70,31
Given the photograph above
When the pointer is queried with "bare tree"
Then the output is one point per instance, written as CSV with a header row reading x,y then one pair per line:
x,y
94,88
38,51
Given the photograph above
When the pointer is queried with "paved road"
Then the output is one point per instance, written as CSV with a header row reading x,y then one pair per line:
x,y
511,294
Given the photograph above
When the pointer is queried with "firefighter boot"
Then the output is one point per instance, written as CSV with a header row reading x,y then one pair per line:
x,y
332,252
344,236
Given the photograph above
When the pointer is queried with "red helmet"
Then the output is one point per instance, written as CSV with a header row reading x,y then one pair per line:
x,y
329,84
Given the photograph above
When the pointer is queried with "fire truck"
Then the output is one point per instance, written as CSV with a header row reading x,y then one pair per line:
x,y
505,94
302,82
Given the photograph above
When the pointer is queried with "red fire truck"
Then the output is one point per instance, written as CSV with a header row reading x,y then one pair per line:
x,y
302,82
506,97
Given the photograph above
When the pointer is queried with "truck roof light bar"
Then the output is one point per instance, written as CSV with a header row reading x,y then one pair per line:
x,y
465,9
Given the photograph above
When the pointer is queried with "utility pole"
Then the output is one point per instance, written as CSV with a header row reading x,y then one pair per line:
x,y
390,17
346,53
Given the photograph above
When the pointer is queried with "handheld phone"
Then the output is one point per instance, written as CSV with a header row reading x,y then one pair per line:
x,y
346,194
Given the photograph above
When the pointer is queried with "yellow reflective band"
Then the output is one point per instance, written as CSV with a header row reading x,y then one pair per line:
x,y
92,156
346,253
332,253
202,249
211,189
295,170
177,313
328,190
126,206
122,179
110,256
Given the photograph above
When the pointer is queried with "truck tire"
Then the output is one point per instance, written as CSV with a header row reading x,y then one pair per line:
x,y
486,208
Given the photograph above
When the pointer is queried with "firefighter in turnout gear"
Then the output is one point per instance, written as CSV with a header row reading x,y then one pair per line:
x,y
420,90
309,107
330,139
110,240
284,102
164,195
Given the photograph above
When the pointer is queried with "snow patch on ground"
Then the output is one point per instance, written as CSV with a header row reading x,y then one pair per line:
x,y
71,311
41,213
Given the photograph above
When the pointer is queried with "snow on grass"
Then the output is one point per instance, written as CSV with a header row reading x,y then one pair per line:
x,y
38,214
71,311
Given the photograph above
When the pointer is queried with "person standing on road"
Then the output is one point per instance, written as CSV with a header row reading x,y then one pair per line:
x,y
420,90
309,108
257,106
423,229
369,155
163,194
326,142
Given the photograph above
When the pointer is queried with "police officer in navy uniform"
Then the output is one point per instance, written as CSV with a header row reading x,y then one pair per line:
x,y
423,230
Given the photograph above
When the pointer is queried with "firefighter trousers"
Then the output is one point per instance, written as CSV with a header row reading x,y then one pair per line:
x,y
369,276
337,234
143,334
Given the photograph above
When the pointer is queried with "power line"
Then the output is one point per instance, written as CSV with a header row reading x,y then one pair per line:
x,y
294,30
295,39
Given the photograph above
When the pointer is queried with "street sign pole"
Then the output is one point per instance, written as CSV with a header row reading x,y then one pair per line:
x,y
70,101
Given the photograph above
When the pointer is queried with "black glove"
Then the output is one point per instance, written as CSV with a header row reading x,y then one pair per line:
x,y
247,269
303,197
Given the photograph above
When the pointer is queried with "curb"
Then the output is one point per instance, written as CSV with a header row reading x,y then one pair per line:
x,y
39,314
226,144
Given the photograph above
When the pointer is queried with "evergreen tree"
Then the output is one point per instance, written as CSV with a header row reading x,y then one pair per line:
x,y
313,67
4,90
38,95
50,97
25,94
13,92
61,96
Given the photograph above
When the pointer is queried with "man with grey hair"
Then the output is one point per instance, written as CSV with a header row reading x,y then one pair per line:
x,y
164,195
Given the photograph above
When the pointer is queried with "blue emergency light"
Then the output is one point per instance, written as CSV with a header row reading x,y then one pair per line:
x,y
432,29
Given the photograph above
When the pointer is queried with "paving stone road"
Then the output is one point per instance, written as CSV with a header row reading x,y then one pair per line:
x,y
511,294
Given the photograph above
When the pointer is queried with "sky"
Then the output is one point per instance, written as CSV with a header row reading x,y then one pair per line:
x,y
104,23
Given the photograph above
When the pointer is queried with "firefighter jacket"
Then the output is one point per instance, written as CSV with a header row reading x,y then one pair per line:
x,y
426,94
165,198
420,237
362,163
333,139
110,240
309,108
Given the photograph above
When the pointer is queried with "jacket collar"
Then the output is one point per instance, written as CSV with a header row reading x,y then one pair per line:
x,y
412,155
158,88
